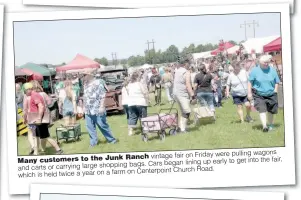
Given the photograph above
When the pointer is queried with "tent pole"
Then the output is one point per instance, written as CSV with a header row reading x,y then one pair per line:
x,y
51,84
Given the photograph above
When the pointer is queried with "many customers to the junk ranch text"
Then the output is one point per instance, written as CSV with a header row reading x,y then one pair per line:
x,y
145,163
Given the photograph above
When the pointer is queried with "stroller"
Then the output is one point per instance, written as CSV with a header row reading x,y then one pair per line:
x,y
202,112
159,123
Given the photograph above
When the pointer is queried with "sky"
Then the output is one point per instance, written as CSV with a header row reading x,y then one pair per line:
x,y
55,42
90,197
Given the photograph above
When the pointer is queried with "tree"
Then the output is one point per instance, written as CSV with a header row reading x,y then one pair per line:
x,y
191,48
171,54
103,61
123,61
233,42
199,48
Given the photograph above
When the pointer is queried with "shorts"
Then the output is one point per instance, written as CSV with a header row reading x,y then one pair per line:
x,y
266,104
68,114
42,131
184,103
237,100
136,113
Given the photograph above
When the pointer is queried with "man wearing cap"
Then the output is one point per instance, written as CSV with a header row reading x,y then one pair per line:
x,y
94,108
263,87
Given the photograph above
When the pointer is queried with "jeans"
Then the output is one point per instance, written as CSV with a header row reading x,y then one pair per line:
x,y
168,90
218,103
206,99
126,110
135,113
101,122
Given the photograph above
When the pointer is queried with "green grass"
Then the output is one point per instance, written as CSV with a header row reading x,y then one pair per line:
x,y
226,132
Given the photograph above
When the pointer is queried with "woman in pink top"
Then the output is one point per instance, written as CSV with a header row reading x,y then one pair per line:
x,y
31,135
38,108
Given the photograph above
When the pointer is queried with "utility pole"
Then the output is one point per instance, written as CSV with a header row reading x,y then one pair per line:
x,y
245,24
148,48
152,42
255,23
114,59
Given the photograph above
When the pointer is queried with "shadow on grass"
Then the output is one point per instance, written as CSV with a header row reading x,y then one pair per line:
x,y
259,126
49,151
115,113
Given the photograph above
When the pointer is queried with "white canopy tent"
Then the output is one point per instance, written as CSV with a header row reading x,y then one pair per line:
x,y
146,66
201,55
257,44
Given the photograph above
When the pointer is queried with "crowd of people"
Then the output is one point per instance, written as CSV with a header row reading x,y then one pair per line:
x,y
208,82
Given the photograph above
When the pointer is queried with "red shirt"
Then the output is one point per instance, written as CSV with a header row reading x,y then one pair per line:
x,y
35,99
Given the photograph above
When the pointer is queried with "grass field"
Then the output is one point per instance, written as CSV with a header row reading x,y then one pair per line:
x,y
226,132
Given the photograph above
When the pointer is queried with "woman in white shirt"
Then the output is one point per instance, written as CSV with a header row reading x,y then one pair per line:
x,y
238,82
137,101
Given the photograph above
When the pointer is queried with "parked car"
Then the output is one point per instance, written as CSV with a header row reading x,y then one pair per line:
x,y
114,79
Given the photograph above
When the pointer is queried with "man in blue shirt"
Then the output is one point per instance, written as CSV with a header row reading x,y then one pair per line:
x,y
263,87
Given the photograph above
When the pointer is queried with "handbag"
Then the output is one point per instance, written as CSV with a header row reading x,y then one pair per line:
x,y
51,106
202,111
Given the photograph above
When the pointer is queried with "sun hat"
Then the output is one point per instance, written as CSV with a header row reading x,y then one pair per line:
x,y
27,86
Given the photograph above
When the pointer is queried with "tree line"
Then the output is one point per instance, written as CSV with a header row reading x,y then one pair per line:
x,y
158,57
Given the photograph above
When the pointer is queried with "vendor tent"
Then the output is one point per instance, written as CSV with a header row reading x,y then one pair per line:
x,y
38,69
233,50
227,45
79,63
201,55
275,45
146,66
20,72
256,44
28,73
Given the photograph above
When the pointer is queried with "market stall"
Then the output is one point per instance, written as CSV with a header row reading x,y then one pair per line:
x,y
257,44
78,64
224,47
25,75
275,45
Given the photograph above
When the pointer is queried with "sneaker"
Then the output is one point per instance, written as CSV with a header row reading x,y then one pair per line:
x,y
249,119
270,127
31,152
59,152
113,142
265,129
131,132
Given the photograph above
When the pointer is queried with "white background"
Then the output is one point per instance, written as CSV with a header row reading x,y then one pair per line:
x,y
293,193
147,3
163,194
